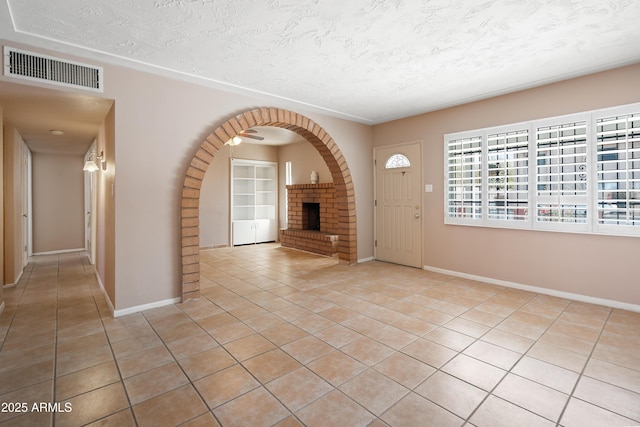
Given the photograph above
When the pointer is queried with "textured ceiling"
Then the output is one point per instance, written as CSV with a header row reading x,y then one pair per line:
x,y
367,60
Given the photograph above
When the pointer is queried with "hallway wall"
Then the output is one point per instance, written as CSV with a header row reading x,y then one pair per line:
x,y
58,202
13,243
105,208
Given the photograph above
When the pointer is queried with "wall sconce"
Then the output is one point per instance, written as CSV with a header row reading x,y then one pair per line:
x,y
91,166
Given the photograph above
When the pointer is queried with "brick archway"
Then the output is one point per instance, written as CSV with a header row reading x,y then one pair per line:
x,y
190,199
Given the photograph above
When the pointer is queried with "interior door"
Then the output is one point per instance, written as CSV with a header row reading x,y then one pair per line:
x,y
399,204
26,205
88,195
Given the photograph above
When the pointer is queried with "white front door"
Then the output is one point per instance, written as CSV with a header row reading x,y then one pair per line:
x,y
399,204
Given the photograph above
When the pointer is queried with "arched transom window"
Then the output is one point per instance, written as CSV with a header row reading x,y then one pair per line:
x,y
397,161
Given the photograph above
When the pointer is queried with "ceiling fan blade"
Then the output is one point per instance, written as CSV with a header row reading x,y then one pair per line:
x,y
259,138
249,131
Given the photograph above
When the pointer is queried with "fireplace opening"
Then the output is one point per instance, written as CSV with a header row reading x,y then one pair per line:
x,y
311,216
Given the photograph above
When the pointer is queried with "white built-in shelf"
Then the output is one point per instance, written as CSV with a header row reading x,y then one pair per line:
x,y
254,200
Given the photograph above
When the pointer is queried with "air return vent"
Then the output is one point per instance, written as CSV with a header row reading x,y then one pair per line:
x,y
32,66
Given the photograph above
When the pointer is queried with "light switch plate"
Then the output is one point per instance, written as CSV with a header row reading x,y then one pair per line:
x,y
428,188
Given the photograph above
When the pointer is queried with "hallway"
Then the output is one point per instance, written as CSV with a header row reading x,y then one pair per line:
x,y
283,337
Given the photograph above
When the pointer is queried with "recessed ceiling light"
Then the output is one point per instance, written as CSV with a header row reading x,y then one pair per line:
x,y
56,132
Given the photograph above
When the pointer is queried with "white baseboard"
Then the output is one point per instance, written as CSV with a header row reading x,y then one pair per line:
x,y
63,251
1,307
367,259
143,307
104,292
19,277
13,285
134,309
209,248
538,290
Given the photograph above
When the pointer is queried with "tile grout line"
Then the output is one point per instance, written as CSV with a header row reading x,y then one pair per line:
x,y
523,355
333,287
368,316
115,361
584,368
55,341
292,414
304,365
368,368
17,303
177,362
557,318
489,392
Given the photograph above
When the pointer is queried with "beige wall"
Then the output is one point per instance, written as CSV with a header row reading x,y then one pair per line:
x,y
590,265
159,125
105,208
304,158
214,203
13,191
355,141
58,202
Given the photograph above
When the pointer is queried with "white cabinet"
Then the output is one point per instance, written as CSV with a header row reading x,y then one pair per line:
x,y
253,201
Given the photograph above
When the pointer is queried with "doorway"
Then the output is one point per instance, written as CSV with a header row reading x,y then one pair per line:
x,y
190,197
398,204
90,203
27,224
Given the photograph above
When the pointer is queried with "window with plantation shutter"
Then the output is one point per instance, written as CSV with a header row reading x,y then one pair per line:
x,y
561,173
618,162
508,175
576,173
464,178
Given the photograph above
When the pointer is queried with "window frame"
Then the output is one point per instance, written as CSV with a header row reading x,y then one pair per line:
x,y
610,228
462,219
509,223
591,226
576,227
394,155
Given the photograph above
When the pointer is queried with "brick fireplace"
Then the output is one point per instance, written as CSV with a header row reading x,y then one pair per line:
x,y
312,219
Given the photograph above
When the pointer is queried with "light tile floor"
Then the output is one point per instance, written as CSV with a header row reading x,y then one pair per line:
x,y
287,338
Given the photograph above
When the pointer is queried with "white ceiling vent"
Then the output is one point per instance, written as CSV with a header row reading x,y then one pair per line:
x,y
62,72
